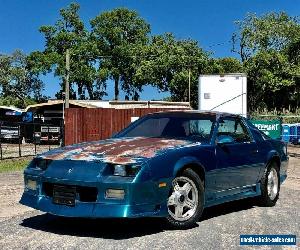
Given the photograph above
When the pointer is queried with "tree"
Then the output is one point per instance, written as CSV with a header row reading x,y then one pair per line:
x,y
226,65
270,80
167,63
69,33
268,46
273,31
119,33
293,54
19,85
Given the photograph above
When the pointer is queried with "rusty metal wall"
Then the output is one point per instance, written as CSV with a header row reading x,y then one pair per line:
x,y
89,124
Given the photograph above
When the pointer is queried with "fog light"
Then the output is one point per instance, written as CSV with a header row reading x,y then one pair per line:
x,y
115,194
31,184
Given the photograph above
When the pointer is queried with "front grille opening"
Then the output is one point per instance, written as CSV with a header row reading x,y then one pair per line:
x,y
48,189
85,194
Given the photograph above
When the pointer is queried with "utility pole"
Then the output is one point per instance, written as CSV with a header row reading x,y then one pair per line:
x,y
67,90
63,103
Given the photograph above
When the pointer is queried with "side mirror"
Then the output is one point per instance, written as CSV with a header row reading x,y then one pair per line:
x,y
224,139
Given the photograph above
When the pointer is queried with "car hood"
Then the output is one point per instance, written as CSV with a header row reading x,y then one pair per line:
x,y
117,150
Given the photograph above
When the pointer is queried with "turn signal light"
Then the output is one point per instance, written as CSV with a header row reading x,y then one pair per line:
x,y
31,184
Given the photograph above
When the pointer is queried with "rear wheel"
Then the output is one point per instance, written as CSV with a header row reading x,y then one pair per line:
x,y
185,203
270,186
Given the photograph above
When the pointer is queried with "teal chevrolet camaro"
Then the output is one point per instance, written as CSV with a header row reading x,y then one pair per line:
x,y
166,164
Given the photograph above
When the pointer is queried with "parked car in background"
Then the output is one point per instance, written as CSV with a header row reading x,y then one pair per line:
x,y
166,164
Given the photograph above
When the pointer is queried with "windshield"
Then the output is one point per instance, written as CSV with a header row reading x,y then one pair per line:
x,y
191,128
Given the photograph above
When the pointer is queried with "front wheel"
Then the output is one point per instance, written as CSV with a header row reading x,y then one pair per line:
x,y
270,186
185,203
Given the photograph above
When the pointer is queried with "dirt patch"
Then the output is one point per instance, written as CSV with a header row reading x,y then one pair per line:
x,y
10,194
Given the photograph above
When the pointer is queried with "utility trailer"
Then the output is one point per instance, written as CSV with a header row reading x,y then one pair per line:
x,y
224,93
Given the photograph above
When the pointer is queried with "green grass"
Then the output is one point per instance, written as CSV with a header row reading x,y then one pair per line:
x,y
10,165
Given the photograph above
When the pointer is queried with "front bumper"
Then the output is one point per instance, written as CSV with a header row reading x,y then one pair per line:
x,y
91,209
141,199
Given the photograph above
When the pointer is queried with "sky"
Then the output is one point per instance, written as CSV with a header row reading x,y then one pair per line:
x,y
211,23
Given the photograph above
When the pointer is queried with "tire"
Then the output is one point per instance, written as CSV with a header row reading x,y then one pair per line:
x,y
186,200
270,185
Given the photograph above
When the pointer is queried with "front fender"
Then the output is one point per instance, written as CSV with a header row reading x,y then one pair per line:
x,y
185,161
272,154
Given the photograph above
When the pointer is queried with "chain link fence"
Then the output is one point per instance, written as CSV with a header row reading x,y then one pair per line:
x,y
28,139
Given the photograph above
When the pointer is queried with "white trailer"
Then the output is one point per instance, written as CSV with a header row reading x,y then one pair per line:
x,y
224,93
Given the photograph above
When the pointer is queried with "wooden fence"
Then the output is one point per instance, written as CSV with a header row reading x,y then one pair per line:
x,y
83,124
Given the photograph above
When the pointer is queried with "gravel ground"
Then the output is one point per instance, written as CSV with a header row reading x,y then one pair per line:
x,y
220,227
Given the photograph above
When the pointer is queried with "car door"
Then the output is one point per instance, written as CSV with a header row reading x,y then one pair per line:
x,y
238,162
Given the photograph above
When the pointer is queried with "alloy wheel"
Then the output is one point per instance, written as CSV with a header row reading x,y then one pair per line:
x,y
272,185
183,201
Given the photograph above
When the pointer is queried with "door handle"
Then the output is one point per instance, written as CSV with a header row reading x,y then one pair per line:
x,y
254,151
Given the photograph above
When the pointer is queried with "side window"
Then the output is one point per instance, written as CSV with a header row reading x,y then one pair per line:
x,y
199,128
234,128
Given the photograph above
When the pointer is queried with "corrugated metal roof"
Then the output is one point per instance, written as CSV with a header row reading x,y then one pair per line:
x,y
55,102
12,108
114,104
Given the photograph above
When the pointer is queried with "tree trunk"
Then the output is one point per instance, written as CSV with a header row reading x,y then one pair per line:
x,y
90,91
21,98
116,88
80,93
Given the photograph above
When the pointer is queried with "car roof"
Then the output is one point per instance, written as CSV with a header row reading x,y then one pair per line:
x,y
202,112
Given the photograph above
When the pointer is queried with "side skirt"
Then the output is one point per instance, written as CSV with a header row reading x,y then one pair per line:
x,y
245,192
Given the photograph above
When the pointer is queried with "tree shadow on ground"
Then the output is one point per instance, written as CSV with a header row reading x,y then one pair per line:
x,y
119,229
296,155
